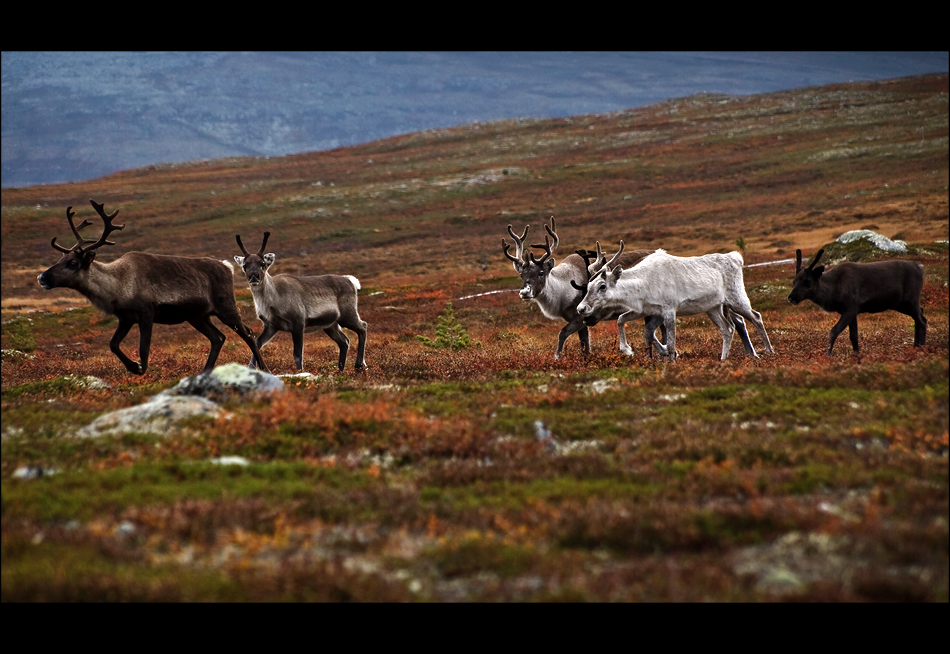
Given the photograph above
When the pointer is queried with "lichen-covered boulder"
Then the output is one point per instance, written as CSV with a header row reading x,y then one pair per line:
x,y
879,241
160,415
227,381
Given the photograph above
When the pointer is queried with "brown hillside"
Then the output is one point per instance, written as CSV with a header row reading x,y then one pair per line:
x,y
782,170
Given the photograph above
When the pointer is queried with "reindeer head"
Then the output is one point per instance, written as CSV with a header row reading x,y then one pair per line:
x,y
807,280
71,270
534,272
254,265
600,289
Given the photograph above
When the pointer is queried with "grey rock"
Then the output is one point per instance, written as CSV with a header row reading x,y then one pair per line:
x,y
160,416
33,472
879,241
229,380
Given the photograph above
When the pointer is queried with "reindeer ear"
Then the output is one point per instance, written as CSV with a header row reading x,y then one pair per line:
x,y
269,258
87,258
549,264
239,260
616,272
818,271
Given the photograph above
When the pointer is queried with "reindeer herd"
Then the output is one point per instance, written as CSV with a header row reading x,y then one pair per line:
x,y
583,289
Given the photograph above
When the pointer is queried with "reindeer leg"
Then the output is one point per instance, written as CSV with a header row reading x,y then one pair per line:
x,y
214,335
843,322
669,320
725,327
361,346
584,335
269,332
751,314
572,327
342,342
920,323
853,333
120,333
649,331
297,335
741,330
622,334
229,316
145,342
353,322
920,328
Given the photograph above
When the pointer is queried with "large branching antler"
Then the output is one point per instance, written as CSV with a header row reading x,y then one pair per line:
x,y
80,241
548,247
108,227
518,259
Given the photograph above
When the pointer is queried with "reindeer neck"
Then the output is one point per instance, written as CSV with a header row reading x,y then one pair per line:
x,y
103,285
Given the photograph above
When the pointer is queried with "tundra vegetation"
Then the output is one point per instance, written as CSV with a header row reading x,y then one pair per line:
x,y
497,472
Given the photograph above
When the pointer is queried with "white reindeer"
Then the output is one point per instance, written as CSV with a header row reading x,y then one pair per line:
x,y
666,285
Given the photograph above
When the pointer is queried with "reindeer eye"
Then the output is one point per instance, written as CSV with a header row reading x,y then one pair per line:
x,y
602,287
72,264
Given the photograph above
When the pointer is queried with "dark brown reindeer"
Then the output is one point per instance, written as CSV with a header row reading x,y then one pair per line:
x,y
143,289
286,303
854,288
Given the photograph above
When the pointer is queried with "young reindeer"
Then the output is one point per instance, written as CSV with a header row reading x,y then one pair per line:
x,y
285,303
143,289
552,287
854,288
665,285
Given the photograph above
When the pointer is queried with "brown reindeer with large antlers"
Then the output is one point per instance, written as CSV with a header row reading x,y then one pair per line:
x,y
143,289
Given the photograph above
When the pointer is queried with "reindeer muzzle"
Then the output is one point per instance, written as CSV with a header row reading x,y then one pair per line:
x,y
45,284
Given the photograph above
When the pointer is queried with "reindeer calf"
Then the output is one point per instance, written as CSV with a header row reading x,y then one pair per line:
x,y
285,303
853,288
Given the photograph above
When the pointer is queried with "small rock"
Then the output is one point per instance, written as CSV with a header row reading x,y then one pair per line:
x,y
34,472
125,529
230,461
545,436
779,580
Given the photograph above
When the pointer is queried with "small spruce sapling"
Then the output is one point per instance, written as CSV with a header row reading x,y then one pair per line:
x,y
449,332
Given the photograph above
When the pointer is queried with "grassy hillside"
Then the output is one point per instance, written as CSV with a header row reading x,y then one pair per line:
x,y
796,476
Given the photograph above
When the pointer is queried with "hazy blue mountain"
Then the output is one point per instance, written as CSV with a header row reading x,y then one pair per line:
x,y
76,116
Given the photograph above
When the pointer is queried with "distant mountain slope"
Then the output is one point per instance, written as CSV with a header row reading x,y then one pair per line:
x,y
77,116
